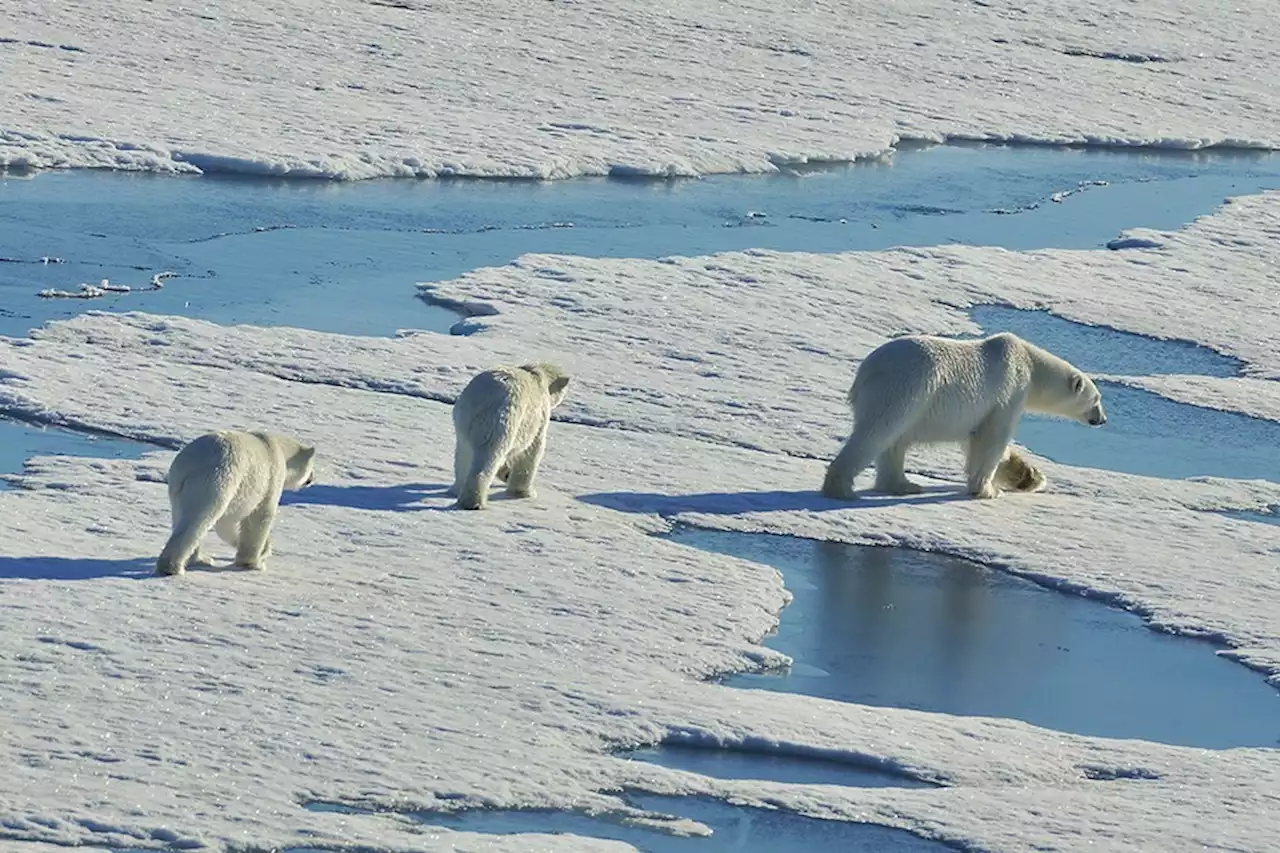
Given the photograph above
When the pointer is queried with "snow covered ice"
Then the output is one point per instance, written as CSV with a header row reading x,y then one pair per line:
x,y
356,89
398,657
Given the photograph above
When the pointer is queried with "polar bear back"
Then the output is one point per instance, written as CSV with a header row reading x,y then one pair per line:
x,y
945,388
506,405
241,468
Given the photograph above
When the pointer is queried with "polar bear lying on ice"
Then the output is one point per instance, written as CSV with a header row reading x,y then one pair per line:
x,y
921,389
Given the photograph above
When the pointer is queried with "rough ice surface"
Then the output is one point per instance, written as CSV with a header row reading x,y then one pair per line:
x,y
365,88
401,656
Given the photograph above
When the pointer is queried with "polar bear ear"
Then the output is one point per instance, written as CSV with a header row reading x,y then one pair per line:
x,y
1077,383
558,385
307,453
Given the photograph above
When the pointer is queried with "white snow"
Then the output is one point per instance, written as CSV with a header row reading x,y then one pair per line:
x,y
358,89
398,655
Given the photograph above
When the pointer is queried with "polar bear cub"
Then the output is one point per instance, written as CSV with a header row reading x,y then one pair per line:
x,y
500,423
921,389
230,481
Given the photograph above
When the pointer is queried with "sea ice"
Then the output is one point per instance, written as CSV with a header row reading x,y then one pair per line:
x,y
356,89
401,656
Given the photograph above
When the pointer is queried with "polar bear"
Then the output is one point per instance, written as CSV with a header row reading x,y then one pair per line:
x,y
921,389
230,481
500,423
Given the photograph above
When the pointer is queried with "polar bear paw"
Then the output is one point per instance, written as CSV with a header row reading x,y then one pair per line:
x,y
986,491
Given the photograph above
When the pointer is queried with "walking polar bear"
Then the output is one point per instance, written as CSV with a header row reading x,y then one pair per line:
x,y
230,481
500,424
921,389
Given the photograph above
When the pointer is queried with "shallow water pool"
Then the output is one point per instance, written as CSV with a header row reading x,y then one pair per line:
x,y
740,829
908,629
21,441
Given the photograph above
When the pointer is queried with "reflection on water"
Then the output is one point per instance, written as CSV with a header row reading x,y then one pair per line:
x,y
894,627
772,765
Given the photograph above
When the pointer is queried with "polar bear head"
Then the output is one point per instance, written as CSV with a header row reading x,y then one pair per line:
x,y
1084,400
299,467
555,380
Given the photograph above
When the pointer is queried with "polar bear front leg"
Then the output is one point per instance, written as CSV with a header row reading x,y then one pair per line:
x,y
891,474
987,446
522,467
255,532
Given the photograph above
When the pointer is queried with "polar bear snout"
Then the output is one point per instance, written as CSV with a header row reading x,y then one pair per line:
x,y
1096,416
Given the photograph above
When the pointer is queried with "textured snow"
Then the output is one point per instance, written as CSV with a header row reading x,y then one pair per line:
x,y
398,655
363,88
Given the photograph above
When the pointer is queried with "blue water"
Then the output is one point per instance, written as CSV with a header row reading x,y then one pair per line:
x,y
901,628
1098,349
1154,436
346,257
772,765
740,829
21,441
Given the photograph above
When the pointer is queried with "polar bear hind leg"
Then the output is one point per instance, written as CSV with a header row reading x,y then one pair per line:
x,y
891,474
462,454
877,432
473,492
189,527
863,447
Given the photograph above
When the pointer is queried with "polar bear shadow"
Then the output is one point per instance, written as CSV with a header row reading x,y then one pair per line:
x,y
74,568
406,497
736,503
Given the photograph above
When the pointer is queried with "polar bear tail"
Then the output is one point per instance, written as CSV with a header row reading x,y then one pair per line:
x,y
194,503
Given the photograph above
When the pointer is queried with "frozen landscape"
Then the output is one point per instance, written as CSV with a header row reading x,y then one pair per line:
x,y
575,672
560,88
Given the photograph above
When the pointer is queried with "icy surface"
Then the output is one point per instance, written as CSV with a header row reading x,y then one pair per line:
x,y
364,88
402,656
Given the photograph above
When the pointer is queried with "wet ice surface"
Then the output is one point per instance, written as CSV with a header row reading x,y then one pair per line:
x,y
344,258
890,626
740,829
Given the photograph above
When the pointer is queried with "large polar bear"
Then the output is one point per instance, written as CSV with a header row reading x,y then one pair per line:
x,y
500,423
920,389
230,481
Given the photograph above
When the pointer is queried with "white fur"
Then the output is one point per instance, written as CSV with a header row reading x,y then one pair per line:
x,y
230,481
500,423
922,389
